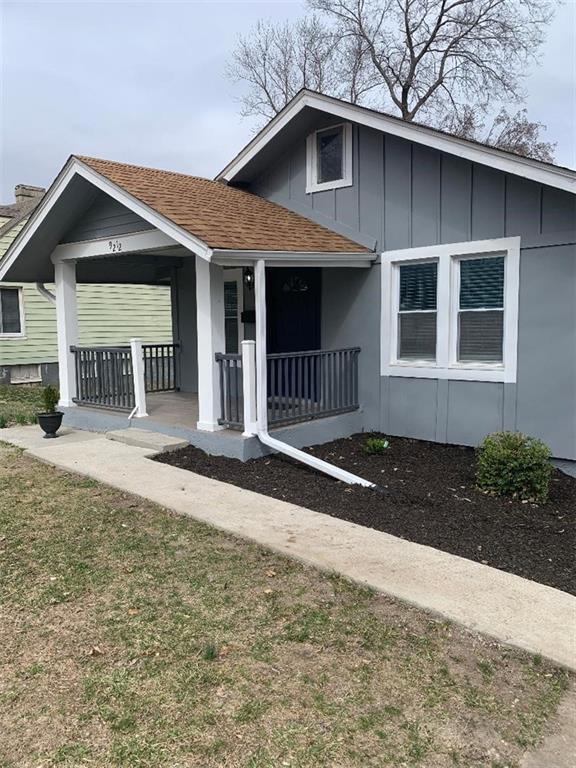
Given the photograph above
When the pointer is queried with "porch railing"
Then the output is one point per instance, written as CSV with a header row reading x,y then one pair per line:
x,y
120,377
301,386
161,367
231,395
104,377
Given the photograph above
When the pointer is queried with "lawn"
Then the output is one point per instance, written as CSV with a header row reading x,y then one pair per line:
x,y
132,637
19,404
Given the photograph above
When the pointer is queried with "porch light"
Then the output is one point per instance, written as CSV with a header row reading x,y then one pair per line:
x,y
249,278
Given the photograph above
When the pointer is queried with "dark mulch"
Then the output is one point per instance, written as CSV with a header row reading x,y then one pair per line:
x,y
427,495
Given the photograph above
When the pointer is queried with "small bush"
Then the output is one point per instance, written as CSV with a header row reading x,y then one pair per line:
x,y
512,464
21,418
50,398
376,445
3,421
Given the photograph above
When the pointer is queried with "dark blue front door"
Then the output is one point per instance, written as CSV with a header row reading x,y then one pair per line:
x,y
293,309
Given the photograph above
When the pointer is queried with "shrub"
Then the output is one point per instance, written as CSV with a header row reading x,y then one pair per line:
x,y
512,464
50,398
376,445
3,421
21,418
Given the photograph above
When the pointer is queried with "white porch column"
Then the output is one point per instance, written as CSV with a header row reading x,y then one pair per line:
x,y
211,339
139,378
67,328
261,367
249,387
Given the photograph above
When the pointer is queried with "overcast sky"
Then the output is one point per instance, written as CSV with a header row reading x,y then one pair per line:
x,y
144,83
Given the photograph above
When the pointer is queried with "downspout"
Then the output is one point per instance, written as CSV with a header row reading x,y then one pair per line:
x,y
45,293
262,394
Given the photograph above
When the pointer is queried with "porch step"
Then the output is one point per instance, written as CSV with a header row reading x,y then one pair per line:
x,y
143,438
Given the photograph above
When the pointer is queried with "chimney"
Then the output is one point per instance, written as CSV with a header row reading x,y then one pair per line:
x,y
24,192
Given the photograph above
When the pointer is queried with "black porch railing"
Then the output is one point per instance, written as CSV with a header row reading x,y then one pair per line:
x,y
231,399
161,367
301,386
312,385
104,377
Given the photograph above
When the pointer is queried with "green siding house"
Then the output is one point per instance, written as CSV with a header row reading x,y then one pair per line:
x,y
108,314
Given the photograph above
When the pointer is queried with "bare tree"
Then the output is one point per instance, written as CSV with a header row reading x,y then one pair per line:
x,y
511,132
277,61
447,63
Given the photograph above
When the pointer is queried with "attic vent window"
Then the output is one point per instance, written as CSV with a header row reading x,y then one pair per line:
x,y
329,158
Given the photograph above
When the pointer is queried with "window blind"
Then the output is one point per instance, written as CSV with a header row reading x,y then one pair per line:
x,y
481,312
9,310
417,311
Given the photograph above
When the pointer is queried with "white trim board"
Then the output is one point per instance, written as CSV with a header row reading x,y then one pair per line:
x,y
132,242
445,366
293,258
75,167
527,168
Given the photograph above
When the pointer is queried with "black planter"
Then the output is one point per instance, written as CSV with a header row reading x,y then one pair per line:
x,y
50,422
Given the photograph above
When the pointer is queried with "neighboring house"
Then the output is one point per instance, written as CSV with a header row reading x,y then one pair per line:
x,y
396,278
108,314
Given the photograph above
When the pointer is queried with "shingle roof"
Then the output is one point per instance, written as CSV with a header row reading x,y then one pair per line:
x,y
222,216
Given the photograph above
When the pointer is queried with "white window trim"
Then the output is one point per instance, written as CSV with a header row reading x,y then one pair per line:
x,y
446,365
22,332
312,185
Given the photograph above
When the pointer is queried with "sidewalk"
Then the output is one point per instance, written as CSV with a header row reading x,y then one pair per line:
x,y
510,609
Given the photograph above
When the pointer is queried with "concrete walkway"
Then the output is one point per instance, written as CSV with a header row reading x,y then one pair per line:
x,y
508,608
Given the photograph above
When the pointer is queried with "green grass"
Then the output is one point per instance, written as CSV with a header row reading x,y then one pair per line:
x,y
19,404
132,637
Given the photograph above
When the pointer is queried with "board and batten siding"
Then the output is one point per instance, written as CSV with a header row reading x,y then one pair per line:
x,y
105,217
108,315
406,195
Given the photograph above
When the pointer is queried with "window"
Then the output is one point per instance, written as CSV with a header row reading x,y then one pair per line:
x,y
481,310
329,158
451,311
232,310
417,311
10,312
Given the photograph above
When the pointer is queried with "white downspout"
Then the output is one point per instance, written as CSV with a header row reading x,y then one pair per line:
x,y
262,393
45,293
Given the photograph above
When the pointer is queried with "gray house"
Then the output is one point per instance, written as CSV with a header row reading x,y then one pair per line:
x,y
346,271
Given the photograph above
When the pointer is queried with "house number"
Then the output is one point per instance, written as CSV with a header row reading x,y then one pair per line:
x,y
114,246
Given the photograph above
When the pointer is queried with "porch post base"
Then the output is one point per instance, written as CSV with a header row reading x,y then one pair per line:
x,y
66,404
209,426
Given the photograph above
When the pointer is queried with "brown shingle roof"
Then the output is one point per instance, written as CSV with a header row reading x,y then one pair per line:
x,y
222,216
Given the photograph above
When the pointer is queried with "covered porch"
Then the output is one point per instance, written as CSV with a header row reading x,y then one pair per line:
x,y
250,324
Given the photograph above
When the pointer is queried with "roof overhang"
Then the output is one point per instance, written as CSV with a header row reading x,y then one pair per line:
x,y
228,258
62,195
525,167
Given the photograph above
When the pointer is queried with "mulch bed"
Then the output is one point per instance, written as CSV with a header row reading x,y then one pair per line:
x,y
427,495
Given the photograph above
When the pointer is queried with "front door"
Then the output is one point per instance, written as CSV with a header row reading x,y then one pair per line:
x,y
293,309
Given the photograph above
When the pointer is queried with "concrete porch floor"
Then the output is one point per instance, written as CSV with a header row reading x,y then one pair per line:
x,y
176,414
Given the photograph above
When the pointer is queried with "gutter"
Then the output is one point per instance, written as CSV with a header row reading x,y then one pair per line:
x,y
262,394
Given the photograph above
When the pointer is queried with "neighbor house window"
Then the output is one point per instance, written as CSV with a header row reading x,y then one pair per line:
x,y
10,312
451,311
329,158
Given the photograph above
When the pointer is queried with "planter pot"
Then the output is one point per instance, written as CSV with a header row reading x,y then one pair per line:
x,y
50,422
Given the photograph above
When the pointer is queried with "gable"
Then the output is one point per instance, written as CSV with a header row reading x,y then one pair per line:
x,y
406,195
105,217
305,102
